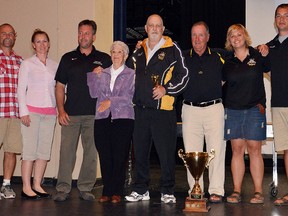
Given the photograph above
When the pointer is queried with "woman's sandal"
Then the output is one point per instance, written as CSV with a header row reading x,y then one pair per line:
x,y
258,198
283,201
234,198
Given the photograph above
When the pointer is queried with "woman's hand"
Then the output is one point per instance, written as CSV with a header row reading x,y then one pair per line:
x,y
104,105
98,70
138,45
25,120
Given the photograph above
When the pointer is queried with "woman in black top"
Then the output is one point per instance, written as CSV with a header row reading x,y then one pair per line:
x,y
244,100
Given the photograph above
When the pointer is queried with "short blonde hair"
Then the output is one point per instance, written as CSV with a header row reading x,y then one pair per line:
x,y
122,44
238,27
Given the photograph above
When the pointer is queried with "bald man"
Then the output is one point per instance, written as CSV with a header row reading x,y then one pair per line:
x,y
155,117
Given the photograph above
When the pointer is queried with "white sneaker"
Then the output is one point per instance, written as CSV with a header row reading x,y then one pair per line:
x,y
135,197
166,198
7,192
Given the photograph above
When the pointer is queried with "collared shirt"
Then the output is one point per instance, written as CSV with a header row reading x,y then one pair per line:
x,y
36,84
205,73
155,49
9,70
278,56
244,86
114,74
72,72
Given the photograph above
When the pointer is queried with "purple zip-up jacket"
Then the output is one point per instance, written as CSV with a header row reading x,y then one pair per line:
x,y
121,97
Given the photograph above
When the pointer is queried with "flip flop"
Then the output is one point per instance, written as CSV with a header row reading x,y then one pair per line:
x,y
234,198
283,201
257,198
215,198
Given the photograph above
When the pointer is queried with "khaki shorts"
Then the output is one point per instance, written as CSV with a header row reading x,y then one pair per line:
x,y
280,127
10,135
38,137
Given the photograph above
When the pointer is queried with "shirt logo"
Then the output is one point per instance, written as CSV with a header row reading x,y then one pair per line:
x,y
97,63
251,62
161,56
73,59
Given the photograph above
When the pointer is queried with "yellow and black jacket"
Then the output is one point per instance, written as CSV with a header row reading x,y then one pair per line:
x,y
168,63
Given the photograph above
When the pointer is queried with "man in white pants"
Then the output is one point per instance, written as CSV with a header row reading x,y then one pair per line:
x,y
202,111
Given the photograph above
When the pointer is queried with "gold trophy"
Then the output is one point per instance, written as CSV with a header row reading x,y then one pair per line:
x,y
155,80
196,163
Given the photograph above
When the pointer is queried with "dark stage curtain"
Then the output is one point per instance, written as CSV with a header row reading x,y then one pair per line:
x,y
218,14
179,15
119,20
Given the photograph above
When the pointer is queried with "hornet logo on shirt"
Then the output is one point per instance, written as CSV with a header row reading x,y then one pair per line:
x,y
97,63
251,62
161,56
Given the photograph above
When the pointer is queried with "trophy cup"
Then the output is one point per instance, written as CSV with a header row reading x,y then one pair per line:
x,y
155,80
196,163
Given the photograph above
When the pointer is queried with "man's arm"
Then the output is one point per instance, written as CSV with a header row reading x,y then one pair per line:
x,y
180,77
63,117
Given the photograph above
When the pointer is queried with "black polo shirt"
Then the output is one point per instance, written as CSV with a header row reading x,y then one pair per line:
x,y
72,72
244,87
278,54
205,73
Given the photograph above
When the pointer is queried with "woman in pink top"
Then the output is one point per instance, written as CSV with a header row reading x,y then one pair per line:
x,y
37,106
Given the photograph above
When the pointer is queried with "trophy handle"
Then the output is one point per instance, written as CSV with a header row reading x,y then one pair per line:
x,y
210,157
182,156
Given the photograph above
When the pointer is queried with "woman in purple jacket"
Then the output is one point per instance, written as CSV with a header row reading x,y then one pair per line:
x,y
114,88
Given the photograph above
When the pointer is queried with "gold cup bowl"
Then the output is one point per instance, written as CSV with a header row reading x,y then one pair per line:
x,y
196,162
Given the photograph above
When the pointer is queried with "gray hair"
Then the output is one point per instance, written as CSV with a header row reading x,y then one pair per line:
x,y
122,44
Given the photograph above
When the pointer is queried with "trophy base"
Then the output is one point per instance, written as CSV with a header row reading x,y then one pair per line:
x,y
196,205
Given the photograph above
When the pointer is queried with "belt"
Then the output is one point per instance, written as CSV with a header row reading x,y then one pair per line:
x,y
203,104
143,107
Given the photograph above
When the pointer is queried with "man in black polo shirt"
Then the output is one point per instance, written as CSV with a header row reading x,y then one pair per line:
x,y
278,55
202,111
76,114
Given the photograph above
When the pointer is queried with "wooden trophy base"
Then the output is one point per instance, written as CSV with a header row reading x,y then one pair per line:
x,y
196,205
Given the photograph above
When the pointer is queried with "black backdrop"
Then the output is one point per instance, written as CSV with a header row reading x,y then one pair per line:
x,y
178,16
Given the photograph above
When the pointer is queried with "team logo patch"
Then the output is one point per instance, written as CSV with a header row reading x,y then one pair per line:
x,y
251,62
97,62
161,56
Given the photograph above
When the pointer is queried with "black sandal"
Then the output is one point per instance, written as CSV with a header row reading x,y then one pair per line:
x,y
234,198
283,201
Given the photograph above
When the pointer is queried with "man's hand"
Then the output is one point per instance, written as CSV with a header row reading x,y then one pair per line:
x,y
63,118
158,92
263,49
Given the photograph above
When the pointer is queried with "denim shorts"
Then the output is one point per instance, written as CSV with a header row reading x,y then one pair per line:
x,y
248,124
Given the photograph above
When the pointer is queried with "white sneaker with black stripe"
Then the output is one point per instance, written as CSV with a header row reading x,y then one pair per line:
x,y
168,198
135,197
